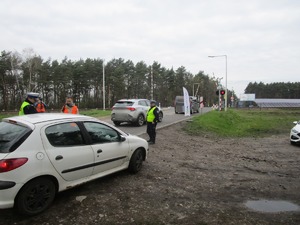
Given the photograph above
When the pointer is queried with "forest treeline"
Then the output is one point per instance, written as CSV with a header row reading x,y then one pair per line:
x,y
83,79
289,90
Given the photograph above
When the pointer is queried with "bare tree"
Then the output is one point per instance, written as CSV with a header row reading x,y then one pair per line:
x,y
15,62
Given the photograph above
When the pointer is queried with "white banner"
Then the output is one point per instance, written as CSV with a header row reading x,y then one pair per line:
x,y
187,107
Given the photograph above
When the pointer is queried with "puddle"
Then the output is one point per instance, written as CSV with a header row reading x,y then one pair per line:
x,y
270,206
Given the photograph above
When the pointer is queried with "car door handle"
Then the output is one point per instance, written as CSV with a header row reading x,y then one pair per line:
x,y
99,151
59,157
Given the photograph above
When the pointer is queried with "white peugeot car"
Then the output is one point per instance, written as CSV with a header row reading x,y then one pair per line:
x,y
42,154
295,133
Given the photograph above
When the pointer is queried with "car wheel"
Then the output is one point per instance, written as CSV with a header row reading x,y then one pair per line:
x,y
176,112
35,196
140,120
160,116
136,161
117,123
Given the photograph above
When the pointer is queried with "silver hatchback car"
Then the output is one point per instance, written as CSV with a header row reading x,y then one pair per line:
x,y
132,111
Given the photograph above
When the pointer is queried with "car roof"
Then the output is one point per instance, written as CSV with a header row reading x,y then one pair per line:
x,y
31,119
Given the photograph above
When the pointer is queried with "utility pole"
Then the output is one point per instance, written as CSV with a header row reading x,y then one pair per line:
x,y
226,95
151,88
103,65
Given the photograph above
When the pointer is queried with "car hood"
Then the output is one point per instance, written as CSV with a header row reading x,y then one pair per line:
x,y
135,139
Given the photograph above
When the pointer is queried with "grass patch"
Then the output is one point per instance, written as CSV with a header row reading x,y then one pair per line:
x,y
95,112
10,114
244,123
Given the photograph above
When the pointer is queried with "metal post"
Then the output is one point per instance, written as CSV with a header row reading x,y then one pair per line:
x,y
220,102
195,93
213,56
103,65
151,91
226,92
193,90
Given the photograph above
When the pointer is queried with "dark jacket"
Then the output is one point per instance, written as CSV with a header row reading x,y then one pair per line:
x,y
29,109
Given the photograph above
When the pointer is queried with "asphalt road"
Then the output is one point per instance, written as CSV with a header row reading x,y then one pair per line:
x,y
169,118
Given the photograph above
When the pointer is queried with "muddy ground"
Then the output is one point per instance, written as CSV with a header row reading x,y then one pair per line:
x,y
186,180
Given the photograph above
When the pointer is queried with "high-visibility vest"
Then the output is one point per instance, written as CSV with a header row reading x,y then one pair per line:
x,y
73,111
24,104
40,108
150,115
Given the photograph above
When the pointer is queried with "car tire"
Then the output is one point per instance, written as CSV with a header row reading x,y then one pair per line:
x,y
35,196
176,112
140,120
160,116
117,123
136,161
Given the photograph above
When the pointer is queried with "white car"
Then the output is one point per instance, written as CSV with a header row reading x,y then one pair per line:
x,y
42,154
295,133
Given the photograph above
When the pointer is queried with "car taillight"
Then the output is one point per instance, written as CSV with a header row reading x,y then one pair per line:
x,y
11,164
131,108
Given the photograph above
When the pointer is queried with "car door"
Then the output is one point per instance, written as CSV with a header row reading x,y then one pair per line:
x,y
110,151
65,146
145,105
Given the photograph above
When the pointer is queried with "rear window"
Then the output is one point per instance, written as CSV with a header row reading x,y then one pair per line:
x,y
12,136
179,99
123,103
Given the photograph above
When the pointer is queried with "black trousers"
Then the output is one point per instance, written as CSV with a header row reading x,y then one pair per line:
x,y
151,131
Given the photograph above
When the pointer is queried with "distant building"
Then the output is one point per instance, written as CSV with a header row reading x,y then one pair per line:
x,y
277,103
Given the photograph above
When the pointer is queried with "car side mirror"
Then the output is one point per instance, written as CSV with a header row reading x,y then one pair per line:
x,y
295,122
122,139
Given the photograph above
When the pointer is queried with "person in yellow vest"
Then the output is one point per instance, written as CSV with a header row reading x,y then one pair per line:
x,y
70,106
152,119
27,106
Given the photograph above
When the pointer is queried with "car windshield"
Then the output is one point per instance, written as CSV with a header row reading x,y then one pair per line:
x,y
123,103
11,136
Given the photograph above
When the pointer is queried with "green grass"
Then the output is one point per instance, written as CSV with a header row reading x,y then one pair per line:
x,y
91,112
4,115
95,112
244,123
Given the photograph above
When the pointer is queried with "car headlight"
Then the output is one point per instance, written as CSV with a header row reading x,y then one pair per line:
x,y
295,131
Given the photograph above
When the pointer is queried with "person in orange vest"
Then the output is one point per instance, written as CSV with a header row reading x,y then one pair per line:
x,y
70,106
40,106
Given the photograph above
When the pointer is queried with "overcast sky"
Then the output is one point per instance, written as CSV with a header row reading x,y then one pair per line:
x,y
261,38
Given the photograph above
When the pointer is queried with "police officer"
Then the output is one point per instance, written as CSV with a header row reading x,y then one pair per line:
x,y
27,106
152,119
